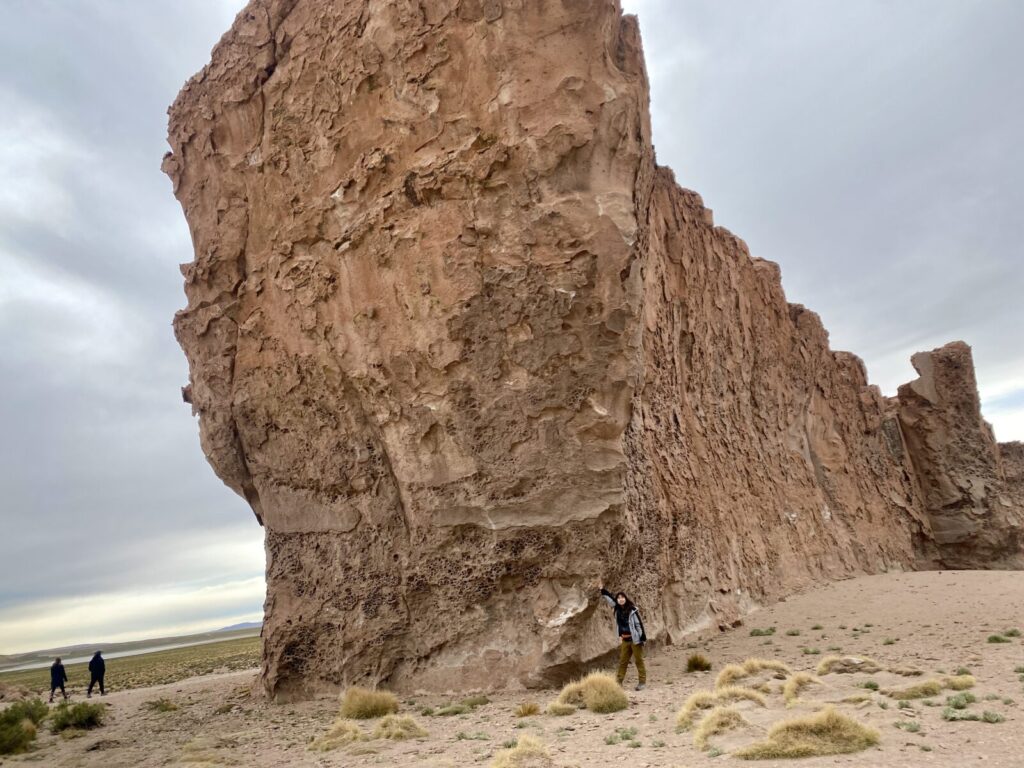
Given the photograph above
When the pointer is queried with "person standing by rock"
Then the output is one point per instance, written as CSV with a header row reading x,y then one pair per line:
x,y
97,669
57,679
630,629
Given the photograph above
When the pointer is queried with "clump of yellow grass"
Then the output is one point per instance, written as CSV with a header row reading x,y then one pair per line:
x,y
342,732
528,752
824,733
923,690
960,682
717,721
733,672
795,684
560,710
847,665
398,728
363,704
598,692
700,700
527,708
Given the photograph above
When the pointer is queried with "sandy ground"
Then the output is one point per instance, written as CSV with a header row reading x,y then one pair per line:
x,y
935,622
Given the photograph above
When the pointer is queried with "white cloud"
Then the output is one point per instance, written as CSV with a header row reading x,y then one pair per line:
x,y
130,615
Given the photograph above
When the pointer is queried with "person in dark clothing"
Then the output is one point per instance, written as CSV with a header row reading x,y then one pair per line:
x,y
631,632
97,668
57,679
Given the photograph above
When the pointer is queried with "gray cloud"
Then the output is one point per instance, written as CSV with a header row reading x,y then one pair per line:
x,y
871,148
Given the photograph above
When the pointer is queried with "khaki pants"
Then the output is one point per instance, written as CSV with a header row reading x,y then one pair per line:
x,y
626,650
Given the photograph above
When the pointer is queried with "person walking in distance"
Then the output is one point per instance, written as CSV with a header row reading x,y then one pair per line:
x,y
630,630
57,679
97,668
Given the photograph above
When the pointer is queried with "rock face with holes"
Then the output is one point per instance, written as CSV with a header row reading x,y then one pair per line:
x,y
467,351
971,485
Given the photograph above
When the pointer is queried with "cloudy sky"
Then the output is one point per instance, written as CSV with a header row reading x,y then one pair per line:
x,y
872,149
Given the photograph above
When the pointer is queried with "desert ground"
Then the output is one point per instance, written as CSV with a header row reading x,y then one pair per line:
x,y
935,623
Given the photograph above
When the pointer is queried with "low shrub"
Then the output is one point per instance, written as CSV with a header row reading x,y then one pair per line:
x,y
847,665
717,721
598,692
701,700
960,682
920,691
527,708
795,684
363,704
398,728
528,752
161,705
762,632
81,716
341,733
960,700
557,709
824,733
697,663
998,639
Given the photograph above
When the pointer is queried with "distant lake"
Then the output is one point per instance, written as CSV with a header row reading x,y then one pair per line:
x,y
118,654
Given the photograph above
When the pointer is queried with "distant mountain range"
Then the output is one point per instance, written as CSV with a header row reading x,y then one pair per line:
x,y
87,649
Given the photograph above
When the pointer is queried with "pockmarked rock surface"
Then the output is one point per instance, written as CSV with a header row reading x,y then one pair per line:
x,y
467,350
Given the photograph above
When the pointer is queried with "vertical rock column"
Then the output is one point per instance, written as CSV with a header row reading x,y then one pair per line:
x,y
974,508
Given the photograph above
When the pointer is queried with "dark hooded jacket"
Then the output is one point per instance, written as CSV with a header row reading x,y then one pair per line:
x,y
57,674
97,666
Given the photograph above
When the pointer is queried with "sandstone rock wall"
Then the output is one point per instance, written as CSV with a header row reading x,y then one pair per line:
x,y
467,351
971,493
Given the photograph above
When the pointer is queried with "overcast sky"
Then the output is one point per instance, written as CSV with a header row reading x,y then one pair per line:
x,y
873,149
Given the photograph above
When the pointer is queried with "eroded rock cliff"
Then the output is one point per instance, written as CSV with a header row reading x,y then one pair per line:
x,y
466,351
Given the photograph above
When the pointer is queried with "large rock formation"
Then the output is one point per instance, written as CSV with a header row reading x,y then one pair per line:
x,y
972,495
467,351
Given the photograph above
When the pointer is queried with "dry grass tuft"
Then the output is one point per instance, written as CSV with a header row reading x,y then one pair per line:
x,y
960,682
920,691
795,684
698,663
700,700
729,675
342,732
847,665
398,728
527,708
363,704
558,709
824,733
718,720
598,692
733,672
528,752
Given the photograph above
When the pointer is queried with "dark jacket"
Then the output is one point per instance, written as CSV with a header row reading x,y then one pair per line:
x,y
627,620
57,674
97,666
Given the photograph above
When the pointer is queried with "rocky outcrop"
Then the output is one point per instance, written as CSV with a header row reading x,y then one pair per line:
x,y
467,351
971,494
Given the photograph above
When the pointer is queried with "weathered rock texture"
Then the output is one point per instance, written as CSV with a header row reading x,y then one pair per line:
x,y
971,492
466,351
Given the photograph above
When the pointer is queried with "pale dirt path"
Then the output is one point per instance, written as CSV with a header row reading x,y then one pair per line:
x,y
939,621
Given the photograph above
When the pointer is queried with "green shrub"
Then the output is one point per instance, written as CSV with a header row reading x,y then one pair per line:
x,y
82,715
1011,633
15,737
792,632
998,639
762,632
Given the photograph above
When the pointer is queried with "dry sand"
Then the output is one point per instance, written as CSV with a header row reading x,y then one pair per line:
x,y
939,621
